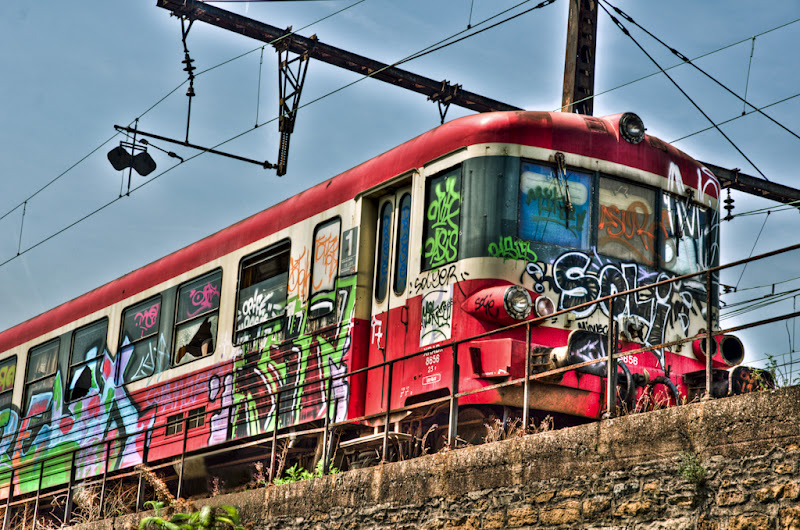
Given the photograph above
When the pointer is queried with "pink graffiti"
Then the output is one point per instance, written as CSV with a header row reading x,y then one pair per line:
x,y
203,300
147,319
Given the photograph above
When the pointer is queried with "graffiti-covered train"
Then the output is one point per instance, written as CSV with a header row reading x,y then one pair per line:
x,y
481,223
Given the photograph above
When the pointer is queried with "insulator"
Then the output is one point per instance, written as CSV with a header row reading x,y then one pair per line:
x,y
190,91
728,206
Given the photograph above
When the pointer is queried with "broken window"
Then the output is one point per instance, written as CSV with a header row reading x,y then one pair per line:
x,y
88,346
197,318
263,286
140,340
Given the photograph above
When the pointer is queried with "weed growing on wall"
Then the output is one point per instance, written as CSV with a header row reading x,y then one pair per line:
x,y
690,468
297,473
208,518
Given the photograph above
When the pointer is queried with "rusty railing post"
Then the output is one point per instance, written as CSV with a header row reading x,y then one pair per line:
x,y
385,449
38,495
611,365
275,435
452,427
105,478
145,454
68,505
6,516
325,434
709,337
526,392
183,456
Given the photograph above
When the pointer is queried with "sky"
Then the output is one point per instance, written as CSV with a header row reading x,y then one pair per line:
x,y
70,71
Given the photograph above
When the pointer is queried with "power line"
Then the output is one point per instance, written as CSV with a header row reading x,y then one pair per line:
x,y
685,59
707,54
624,30
249,130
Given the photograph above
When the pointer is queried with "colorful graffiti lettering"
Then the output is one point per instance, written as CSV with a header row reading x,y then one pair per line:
x,y
633,227
147,319
257,308
326,259
441,246
512,248
437,314
203,299
298,274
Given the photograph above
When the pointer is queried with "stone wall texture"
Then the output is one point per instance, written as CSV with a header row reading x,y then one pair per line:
x,y
615,474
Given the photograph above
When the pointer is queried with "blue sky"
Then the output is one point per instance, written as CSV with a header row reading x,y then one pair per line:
x,y
71,71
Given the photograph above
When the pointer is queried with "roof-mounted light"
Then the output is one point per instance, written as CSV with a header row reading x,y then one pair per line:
x,y
631,128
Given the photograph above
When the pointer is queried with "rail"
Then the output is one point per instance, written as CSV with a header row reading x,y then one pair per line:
x,y
82,470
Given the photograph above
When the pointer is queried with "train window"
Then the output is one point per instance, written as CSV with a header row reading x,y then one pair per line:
x,y
325,262
197,418
197,318
554,209
40,379
384,252
626,227
174,424
442,224
403,233
263,285
685,233
88,346
8,373
140,335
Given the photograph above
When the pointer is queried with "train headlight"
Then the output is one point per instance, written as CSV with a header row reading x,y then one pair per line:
x,y
517,302
544,306
631,127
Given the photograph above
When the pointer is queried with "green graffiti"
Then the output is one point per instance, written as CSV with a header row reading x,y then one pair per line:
x,y
442,245
512,248
295,355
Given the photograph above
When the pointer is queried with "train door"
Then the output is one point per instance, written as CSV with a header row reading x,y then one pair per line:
x,y
389,333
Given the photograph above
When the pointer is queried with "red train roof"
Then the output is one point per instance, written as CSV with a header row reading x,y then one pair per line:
x,y
572,133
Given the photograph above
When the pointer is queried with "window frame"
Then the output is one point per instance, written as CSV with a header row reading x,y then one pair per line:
x,y
379,251
593,201
28,384
72,367
275,250
10,390
132,344
312,291
175,423
399,241
176,323
429,188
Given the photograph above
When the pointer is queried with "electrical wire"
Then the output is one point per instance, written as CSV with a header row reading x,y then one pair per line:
x,y
752,250
685,59
707,54
320,98
624,30
735,118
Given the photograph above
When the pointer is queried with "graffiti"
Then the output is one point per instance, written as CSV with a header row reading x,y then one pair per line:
x,y
438,278
7,374
326,259
377,333
203,300
512,248
594,328
280,380
298,274
257,307
441,245
633,227
147,319
579,278
437,314
486,304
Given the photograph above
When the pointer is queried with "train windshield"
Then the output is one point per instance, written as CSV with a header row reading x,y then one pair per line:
x,y
524,210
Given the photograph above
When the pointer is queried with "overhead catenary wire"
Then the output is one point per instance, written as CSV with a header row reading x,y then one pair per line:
x,y
685,59
422,52
166,96
657,72
624,30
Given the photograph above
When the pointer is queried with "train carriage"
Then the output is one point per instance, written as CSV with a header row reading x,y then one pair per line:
x,y
484,222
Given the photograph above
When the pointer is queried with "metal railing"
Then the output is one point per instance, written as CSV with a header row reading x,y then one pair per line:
x,y
114,448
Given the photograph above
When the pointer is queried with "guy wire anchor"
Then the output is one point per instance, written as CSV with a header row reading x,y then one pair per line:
x,y
444,97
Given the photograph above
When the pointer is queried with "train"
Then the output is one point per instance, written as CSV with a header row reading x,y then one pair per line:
x,y
481,251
